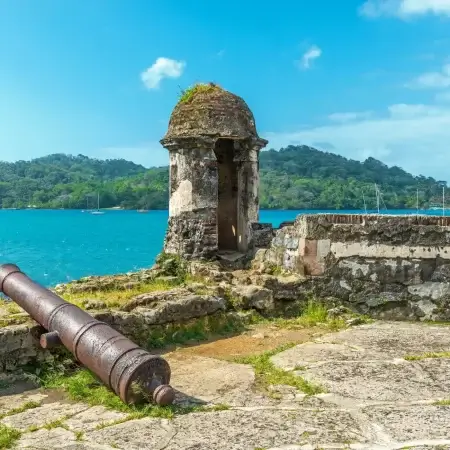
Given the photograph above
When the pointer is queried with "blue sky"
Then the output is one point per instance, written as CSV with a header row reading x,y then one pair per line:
x,y
356,77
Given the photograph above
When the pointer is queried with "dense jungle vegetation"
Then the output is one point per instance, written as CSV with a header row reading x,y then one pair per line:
x,y
296,177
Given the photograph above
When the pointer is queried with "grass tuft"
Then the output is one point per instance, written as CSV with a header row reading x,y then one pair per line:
x,y
427,356
56,424
79,435
117,297
172,265
188,94
8,436
315,314
218,407
267,373
26,406
445,402
82,386
199,329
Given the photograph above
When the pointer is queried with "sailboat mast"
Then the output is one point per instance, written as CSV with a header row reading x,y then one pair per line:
x,y
378,198
364,200
98,201
443,200
417,202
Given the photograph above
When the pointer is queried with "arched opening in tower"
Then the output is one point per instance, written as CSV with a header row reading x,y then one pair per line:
x,y
227,208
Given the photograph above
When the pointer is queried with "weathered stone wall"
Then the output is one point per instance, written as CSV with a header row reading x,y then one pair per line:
x,y
142,319
192,227
385,266
262,235
248,193
19,345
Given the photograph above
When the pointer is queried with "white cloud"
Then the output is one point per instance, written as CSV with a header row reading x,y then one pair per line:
x,y
162,68
349,116
443,97
404,8
313,53
414,137
432,80
377,8
405,111
410,7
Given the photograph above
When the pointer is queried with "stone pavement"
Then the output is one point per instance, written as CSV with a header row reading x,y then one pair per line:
x,y
376,399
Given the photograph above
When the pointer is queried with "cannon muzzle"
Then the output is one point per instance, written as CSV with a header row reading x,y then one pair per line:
x,y
135,375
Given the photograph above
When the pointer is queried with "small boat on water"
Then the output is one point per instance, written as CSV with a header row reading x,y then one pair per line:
x,y
98,212
142,211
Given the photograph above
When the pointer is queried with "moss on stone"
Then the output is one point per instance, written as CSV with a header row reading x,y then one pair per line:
x,y
427,356
267,374
11,320
25,407
56,424
79,435
200,329
188,94
206,109
115,297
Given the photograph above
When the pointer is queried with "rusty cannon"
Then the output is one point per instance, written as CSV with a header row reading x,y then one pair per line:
x,y
131,372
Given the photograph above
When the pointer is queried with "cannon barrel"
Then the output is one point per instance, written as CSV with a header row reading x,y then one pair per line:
x,y
131,372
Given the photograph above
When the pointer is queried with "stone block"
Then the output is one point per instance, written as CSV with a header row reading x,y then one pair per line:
x,y
432,290
253,297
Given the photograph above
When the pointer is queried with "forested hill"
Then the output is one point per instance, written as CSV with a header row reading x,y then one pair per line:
x,y
295,177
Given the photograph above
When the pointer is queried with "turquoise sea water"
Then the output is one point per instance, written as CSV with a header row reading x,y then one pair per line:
x,y
58,246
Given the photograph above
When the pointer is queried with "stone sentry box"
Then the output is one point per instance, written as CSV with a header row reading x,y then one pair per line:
x,y
214,174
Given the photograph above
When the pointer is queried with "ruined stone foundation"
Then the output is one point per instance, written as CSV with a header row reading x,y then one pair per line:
x,y
394,267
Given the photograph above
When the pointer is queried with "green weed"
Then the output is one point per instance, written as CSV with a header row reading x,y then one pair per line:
x,y
20,409
267,373
82,386
8,436
188,94
427,356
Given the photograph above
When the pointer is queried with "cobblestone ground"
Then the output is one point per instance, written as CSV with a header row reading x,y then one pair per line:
x,y
376,399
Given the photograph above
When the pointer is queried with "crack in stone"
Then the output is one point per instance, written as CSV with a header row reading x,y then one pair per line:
x,y
360,446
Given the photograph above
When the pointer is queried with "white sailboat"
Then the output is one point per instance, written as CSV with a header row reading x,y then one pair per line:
x,y
417,202
379,198
87,205
437,207
98,212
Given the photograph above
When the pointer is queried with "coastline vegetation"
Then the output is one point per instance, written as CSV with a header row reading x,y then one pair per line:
x,y
296,177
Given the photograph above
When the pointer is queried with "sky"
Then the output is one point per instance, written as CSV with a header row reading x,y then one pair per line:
x,y
361,78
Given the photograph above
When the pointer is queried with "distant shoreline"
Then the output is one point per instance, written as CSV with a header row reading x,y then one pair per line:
x,y
359,210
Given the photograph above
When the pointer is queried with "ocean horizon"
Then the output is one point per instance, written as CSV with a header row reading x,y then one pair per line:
x,y
57,246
